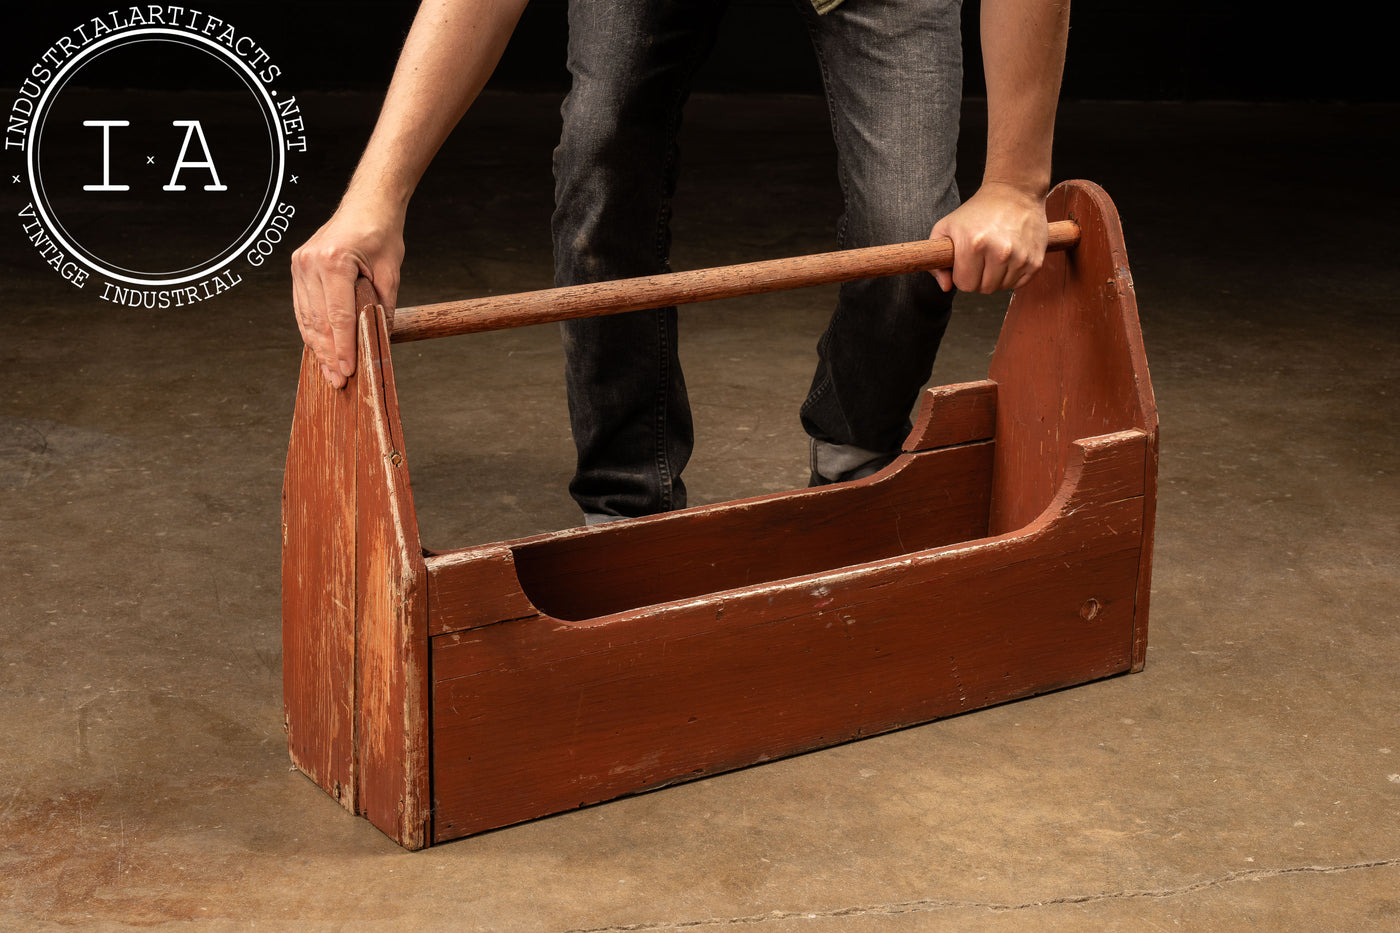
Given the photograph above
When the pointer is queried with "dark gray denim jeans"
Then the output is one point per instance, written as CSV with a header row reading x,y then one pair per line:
x,y
893,76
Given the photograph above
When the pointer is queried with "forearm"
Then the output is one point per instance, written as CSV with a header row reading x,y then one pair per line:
x,y
1023,48
452,48
999,233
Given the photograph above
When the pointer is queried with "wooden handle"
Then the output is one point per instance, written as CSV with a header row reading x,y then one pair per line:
x,y
658,291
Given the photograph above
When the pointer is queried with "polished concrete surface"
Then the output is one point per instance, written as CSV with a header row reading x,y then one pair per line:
x,y
1248,779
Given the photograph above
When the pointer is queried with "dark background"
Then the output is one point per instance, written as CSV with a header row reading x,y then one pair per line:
x,y
1119,49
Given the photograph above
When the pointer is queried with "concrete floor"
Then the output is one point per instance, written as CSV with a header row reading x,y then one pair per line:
x,y
1248,779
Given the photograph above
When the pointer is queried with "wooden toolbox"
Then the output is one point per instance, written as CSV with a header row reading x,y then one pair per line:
x,y
1005,553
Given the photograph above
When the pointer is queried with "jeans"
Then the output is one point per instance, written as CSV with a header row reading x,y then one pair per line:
x,y
893,78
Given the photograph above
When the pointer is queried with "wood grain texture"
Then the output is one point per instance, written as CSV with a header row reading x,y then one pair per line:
x,y
912,505
391,606
956,414
474,587
1006,552
354,616
318,585
542,715
1070,363
498,312
921,501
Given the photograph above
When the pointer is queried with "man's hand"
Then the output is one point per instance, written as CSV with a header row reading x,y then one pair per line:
x,y
449,54
356,241
999,237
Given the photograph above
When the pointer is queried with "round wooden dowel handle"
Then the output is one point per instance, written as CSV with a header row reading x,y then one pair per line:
x,y
499,312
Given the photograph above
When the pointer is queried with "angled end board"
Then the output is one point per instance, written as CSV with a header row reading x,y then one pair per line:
x,y
1005,553
354,604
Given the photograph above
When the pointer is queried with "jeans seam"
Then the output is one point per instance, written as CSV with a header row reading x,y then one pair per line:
x,y
663,463
808,16
663,348
816,394
663,466
663,361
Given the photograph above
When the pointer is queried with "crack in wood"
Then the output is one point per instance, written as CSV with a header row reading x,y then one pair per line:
x,y
932,904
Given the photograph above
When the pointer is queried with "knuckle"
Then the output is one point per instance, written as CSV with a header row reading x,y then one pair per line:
x,y
340,315
327,257
342,260
1001,251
